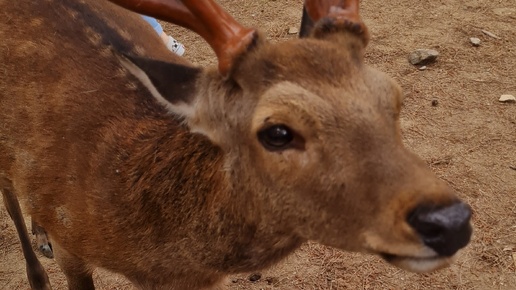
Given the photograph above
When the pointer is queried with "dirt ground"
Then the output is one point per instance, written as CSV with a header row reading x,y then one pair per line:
x,y
451,118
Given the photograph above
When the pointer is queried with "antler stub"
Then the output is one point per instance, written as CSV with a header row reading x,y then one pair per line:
x,y
337,13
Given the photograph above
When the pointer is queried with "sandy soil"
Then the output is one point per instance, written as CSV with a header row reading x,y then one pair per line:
x,y
469,140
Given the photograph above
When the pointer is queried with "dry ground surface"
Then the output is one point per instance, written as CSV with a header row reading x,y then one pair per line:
x,y
469,140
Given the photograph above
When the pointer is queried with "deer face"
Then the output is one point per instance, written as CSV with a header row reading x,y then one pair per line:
x,y
323,135
315,135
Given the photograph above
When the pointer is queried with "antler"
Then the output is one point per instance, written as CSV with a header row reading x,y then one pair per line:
x,y
223,33
339,12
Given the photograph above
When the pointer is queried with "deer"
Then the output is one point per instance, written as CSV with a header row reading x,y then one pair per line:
x,y
129,158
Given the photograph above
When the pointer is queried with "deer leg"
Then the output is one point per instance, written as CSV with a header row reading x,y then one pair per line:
x,y
78,273
44,246
38,278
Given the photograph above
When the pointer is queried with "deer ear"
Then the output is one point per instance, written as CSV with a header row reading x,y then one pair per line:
x,y
173,85
307,24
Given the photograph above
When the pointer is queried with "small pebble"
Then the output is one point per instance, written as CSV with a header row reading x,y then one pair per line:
x,y
507,99
423,67
293,30
423,56
255,277
435,103
475,41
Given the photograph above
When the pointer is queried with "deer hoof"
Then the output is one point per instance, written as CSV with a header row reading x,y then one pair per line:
x,y
46,250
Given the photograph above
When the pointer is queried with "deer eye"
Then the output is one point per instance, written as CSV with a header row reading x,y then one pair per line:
x,y
276,137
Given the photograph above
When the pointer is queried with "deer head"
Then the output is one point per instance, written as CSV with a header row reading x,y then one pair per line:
x,y
310,133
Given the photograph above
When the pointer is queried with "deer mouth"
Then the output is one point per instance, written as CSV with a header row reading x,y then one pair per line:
x,y
418,264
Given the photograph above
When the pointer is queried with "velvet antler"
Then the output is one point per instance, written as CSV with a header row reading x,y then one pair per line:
x,y
338,13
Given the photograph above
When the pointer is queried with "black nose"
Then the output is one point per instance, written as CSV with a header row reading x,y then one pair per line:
x,y
444,229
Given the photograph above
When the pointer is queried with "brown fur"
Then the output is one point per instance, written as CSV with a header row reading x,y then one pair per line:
x,y
119,182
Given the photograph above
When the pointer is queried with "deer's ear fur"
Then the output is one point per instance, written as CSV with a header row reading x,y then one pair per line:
x,y
307,24
173,85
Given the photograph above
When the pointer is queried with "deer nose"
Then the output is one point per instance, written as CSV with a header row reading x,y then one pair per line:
x,y
444,229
